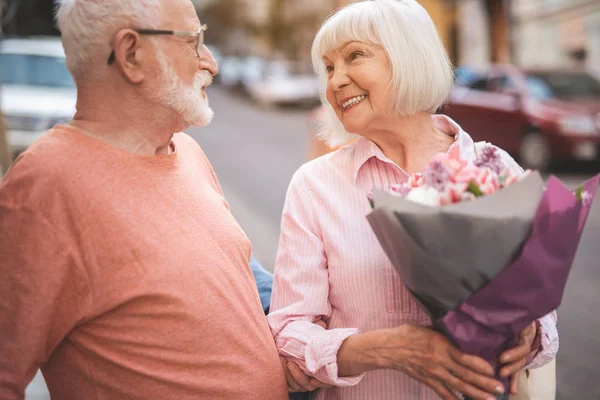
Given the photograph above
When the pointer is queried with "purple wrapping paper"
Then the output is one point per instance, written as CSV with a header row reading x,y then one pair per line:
x,y
489,321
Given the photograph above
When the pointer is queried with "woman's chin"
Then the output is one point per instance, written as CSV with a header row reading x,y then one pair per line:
x,y
353,128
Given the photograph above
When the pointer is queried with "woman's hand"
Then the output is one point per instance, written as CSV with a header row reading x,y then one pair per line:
x,y
516,358
431,359
423,354
297,380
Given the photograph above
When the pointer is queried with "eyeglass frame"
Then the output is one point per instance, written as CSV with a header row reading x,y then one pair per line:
x,y
199,34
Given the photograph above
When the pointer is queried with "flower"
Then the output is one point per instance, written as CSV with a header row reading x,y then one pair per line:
x,y
466,174
508,177
490,158
415,180
447,179
487,181
425,195
371,199
437,175
401,189
586,198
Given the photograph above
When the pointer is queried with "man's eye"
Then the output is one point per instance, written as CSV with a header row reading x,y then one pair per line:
x,y
329,68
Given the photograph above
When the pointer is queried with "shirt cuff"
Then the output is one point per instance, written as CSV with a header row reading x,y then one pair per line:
x,y
548,345
321,357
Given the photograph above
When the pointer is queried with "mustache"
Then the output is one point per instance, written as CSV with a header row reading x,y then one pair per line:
x,y
206,77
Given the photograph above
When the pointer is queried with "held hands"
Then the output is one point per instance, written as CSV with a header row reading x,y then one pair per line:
x,y
430,358
516,358
297,380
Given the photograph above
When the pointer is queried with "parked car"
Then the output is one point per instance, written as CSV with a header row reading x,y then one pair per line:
x,y
539,116
216,53
37,89
285,83
230,70
465,75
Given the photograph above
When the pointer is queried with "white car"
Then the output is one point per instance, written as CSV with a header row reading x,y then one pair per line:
x,y
285,83
37,89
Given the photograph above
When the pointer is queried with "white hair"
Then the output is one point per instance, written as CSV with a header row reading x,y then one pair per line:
x,y
185,100
421,72
86,26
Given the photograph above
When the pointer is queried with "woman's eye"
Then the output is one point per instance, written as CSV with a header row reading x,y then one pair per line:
x,y
354,55
329,68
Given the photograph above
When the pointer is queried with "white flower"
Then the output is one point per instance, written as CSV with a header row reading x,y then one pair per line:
x,y
586,198
425,195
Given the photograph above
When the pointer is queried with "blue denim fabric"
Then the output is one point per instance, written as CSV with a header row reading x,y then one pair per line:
x,y
300,396
264,283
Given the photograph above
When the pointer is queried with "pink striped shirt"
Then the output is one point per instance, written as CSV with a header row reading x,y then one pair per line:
x,y
330,266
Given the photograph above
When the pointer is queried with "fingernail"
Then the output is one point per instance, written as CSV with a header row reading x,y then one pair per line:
x,y
491,398
499,389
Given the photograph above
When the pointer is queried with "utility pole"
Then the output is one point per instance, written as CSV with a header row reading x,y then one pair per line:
x,y
5,151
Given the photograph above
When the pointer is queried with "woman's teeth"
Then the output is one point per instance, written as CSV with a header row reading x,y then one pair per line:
x,y
355,100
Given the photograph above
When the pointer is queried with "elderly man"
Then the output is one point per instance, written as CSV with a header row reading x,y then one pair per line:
x,y
123,274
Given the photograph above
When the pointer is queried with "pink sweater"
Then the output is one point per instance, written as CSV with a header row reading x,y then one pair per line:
x,y
126,277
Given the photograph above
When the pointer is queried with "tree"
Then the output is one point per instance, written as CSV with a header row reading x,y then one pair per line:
x,y
223,17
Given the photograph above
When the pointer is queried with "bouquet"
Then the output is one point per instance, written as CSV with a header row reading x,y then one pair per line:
x,y
484,249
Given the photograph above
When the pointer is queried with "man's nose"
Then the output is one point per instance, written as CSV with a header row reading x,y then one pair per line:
x,y
208,62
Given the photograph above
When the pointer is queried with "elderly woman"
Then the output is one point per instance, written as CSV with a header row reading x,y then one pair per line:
x,y
384,72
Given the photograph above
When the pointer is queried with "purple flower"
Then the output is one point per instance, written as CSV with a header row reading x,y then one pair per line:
x,y
437,175
490,158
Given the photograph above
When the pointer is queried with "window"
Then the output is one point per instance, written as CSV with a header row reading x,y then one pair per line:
x,y
33,70
479,84
563,85
501,84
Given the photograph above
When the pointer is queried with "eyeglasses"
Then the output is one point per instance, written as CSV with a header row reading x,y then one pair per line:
x,y
199,35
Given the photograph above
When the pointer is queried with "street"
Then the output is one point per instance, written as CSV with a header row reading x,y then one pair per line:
x,y
255,152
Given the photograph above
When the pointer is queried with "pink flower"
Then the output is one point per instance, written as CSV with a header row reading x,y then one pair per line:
x,y
507,177
416,180
466,174
487,181
401,189
451,160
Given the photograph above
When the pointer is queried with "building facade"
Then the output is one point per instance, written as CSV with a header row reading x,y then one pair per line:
x,y
557,33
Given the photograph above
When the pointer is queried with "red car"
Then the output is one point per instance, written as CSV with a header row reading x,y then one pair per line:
x,y
539,116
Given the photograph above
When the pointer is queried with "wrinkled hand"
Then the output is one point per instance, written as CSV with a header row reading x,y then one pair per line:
x,y
516,358
297,380
434,361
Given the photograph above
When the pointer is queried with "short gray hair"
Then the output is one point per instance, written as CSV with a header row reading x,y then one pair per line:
x,y
86,26
422,75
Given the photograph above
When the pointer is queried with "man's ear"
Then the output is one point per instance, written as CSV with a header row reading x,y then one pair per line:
x,y
129,55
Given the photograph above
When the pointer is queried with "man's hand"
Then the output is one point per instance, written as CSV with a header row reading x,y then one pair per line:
x,y
297,380
516,358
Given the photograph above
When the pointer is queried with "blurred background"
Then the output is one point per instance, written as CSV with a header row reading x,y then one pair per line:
x,y
527,79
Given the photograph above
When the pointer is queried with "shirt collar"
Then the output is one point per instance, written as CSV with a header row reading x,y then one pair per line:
x,y
365,149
